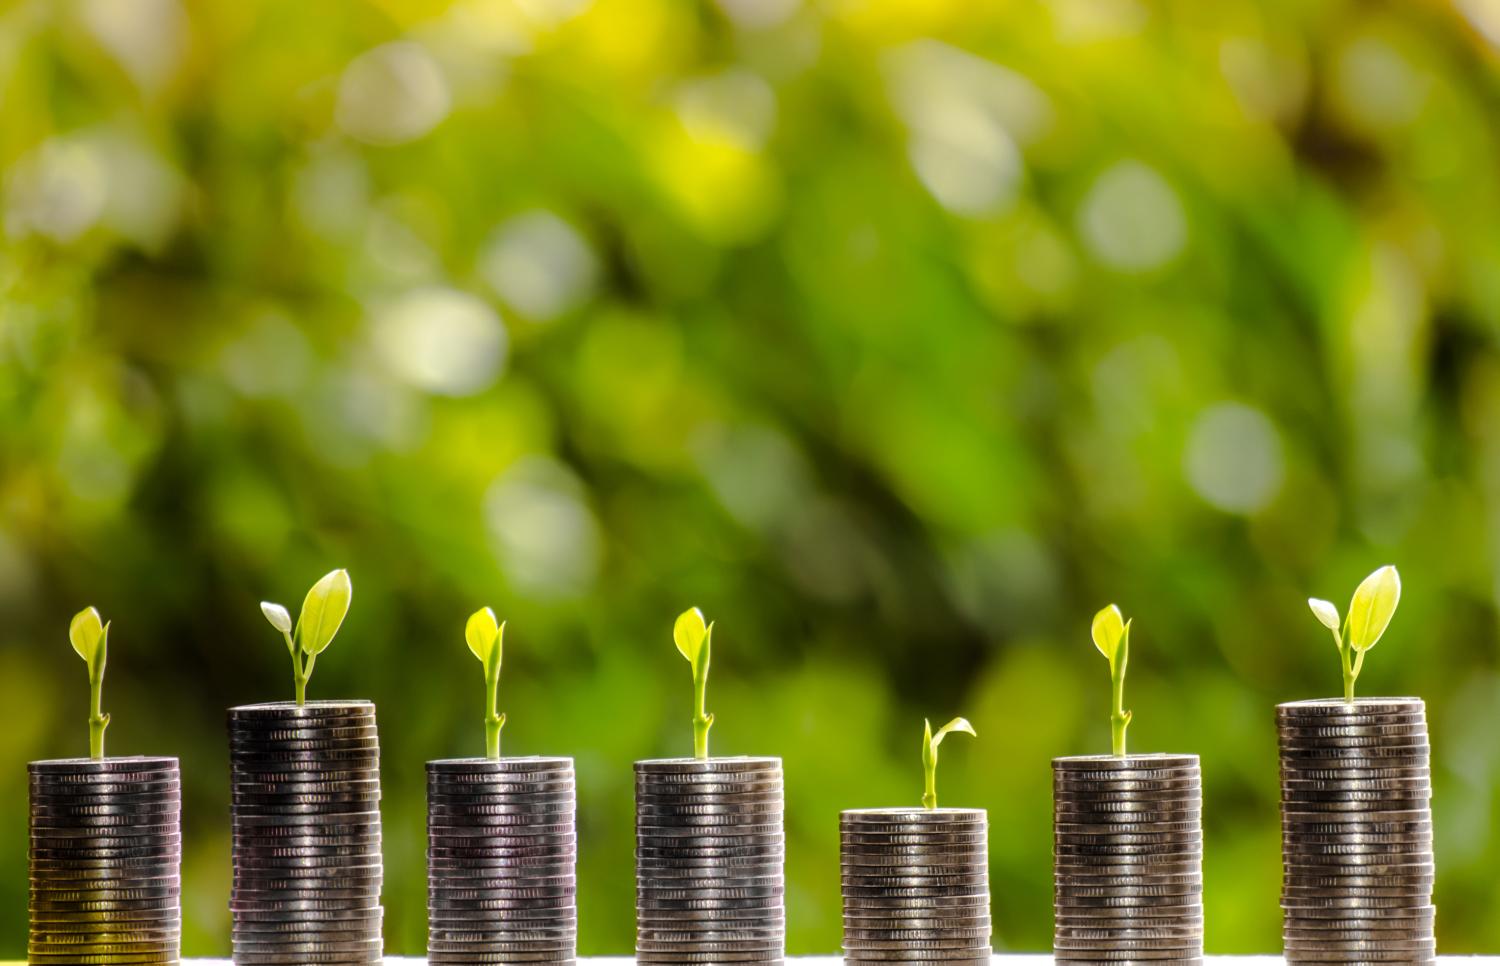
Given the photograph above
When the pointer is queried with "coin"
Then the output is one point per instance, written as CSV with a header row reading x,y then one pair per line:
x,y
889,858
501,860
1356,831
1127,858
709,855
105,852
305,830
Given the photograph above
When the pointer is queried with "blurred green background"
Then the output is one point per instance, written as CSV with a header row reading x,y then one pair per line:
x,y
898,336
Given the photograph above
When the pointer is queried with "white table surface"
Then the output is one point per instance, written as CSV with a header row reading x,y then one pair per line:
x,y
1009,959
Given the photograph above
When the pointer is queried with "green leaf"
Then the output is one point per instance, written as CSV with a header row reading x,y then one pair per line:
x,y
277,615
483,633
1326,613
86,631
689,633
1107,630
1374,604
957,724
323,611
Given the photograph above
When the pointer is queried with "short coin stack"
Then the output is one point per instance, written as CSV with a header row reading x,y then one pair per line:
x,y
916,886
305,813
1128,859
709,861
1356,831
502,850
106,852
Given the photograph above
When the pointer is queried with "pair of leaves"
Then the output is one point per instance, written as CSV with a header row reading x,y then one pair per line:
x,y
1370,611
931,741
485,636
1110,629
323,612
90,638
692,635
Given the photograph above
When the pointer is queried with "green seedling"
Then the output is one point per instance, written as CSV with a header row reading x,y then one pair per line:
x,y
90,638
694,639
930,744
1370,613
486,638
323,611
1111,632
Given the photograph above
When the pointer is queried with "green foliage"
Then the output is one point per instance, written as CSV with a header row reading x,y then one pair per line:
x,y
863,340
1111,633
486,639
1370,613
323,612
930,744
694,640
90,638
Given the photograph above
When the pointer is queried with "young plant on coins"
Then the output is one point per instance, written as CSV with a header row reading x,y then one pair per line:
x,y
930,744
1370,613
85,813
1126,825
915,880
1111,633
486,639
323,611
90,638
694,640
305,808
500,827
1366,761
693,906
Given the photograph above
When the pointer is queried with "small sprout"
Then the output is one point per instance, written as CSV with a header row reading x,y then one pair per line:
x,y
486,638
694,639
930,744
90,638
1111,632
1370,613
323,612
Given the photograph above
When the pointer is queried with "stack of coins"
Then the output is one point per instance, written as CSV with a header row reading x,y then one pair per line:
x,y
502,850
916,885
106,851
1356,831
1128,858
709,857
305,814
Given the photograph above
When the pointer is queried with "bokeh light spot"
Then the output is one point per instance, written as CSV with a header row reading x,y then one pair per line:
x,y
1234,458
58,191
1132,220
1376,87
392,94
544,534
539,265
442,340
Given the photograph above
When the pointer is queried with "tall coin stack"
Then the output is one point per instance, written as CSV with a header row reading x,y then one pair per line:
x,y
1356,831
106,852
305,814
502,850
916,886
1128,858
709,856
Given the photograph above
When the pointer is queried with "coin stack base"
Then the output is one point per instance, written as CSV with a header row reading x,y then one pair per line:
x,y
916,886
106,855
1128,859
305,819
502,852
1356,831
709,861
